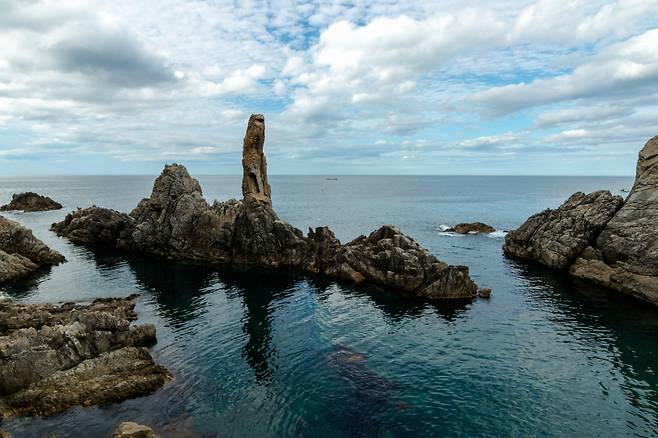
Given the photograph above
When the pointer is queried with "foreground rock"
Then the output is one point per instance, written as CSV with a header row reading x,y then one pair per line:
x,y
129,429
55,357
175,222
21,253
601,238
556,237
471,228
625,255
30,201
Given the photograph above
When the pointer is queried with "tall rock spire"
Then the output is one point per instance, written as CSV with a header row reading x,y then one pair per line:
x,y
254,165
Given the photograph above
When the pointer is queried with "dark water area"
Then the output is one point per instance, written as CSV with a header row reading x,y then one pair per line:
x,y
262,353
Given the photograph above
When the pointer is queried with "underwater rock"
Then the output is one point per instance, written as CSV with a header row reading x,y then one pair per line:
x,y
53,357
30,201
21,253
175,222
471,228
128,429
485,293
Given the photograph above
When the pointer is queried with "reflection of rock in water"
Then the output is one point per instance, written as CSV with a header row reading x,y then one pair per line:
x,y
258,288
372,398
177,288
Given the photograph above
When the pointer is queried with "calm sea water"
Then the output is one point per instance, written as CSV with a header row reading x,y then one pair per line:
x,y
262,353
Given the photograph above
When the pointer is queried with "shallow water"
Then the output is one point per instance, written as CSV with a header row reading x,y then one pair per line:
x,y
264,353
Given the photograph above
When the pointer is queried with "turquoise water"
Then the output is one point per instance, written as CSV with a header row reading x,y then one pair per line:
x,y
272,353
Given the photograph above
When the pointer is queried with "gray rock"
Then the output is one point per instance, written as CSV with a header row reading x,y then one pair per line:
x,y
556,237
471,228
53,357
129,429
30,201
175,222
21,253
624,256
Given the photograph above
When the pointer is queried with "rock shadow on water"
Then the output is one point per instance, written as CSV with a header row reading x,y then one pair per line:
x,y
28,286
631,327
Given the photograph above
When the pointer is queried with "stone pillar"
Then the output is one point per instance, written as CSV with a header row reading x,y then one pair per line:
x,y
254,165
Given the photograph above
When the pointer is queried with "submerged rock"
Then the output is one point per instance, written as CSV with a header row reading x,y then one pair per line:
x,y
30,201
21,253
485,293
175,222
556,237
53,357
471,228
129,429
624,256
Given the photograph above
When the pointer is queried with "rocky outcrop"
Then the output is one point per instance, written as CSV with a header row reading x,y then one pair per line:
x,y
556,237
175,222
30,201
21,253
471,228
624,256
129,429
53,357
602,238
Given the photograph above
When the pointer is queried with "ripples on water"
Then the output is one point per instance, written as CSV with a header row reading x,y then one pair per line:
x,y
264,353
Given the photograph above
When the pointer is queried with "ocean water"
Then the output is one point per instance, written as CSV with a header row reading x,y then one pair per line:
x,y
260,353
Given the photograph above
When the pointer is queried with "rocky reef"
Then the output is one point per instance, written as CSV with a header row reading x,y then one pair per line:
x,y
30,201
53,357
128,429
600,237
21,253
471,228
175,222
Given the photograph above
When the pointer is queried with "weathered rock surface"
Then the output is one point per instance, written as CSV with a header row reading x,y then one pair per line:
x,y
21,253
30,201
556,237
129,429
625,254
471,228
53,357
175,222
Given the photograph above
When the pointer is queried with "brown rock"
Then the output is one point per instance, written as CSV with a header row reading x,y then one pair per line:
x,y
21,253
30,201
485,293
53,357
472,228
129,429
177,223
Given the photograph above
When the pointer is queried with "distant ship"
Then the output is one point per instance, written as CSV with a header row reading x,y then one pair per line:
x,y
332,179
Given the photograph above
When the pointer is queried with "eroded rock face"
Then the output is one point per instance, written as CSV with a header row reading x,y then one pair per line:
x,y
53,357
625,254
177,223
472,228
21,253
30,201
556,237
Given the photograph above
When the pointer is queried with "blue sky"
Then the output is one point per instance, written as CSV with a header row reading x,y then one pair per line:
x,y
347,87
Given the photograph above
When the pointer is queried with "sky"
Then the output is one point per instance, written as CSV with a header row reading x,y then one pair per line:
x,y
510,87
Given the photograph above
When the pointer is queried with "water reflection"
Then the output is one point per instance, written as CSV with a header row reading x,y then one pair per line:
x,y
28,286
600,316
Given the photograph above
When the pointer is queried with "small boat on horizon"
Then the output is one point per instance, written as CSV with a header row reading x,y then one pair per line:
x,y
332,179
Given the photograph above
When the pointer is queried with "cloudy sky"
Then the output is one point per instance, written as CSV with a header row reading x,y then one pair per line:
x,y
372,87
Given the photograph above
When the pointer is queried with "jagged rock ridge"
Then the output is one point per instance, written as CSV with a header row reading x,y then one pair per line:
x,y
600,237
175,222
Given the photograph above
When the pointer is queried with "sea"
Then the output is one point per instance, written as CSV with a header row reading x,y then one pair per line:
x,y
275,353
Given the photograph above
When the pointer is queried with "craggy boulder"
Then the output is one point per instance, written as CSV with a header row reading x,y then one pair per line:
x,y
471,228
95,226
556,237
624,256
30,201
21,253
53,357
